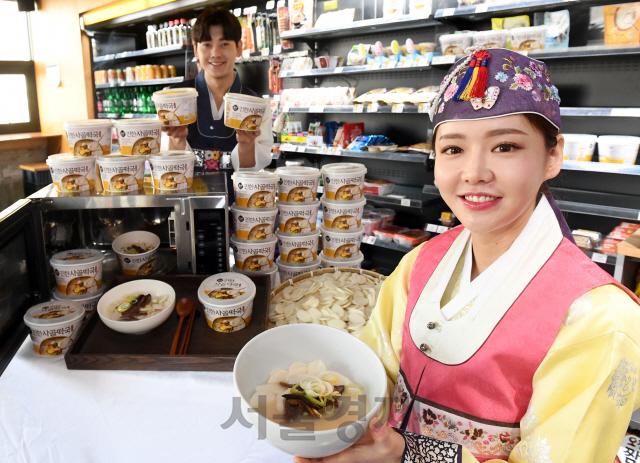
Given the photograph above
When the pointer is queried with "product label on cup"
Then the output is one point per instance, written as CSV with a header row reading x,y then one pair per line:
x,y
83,279
55,340
254,258
177,113
341,247
229,319
171,176
243,115
255,194
252,227
343,218
298,250
343,188
132,264
121,178
73,179
89,142
301,220
139,141
294,190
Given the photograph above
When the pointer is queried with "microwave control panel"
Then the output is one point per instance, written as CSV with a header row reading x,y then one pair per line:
x,y
210,236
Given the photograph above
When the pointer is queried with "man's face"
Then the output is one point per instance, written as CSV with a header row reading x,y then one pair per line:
x,y
218,55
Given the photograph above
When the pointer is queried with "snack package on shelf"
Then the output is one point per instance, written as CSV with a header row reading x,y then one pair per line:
x,y
357,56
491,39
302,64
372,96
409,238
423,95
455,44
587,240
622,23
378,187
365,141
510,23
447,219
528,38
330,96
557,23
301,14
336,18
283,25
386,234
397,95
351,132
609,245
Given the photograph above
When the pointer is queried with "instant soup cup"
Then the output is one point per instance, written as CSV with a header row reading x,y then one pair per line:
x,y
176,106
579,147
88,301
298,184
244,112
618,149
143,261
72,174
528,38
139,136
228,301
89,138
54,326
298,248
455,44
253,256
297,217
172,170
343,181
355,262
255,189
253,224
342,215
341,244
78,271
120,292
288,271
121,173
341,352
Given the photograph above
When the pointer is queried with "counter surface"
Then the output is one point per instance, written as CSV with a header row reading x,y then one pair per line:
x,y
51,414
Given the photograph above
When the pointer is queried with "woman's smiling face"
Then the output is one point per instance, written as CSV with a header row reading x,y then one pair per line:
x,y
489,171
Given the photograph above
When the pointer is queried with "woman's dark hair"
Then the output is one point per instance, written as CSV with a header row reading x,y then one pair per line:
x,y
211,16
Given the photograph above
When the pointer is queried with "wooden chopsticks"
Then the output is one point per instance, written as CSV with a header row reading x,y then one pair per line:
x,y
187,334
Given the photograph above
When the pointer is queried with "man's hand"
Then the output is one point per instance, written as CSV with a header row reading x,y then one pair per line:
x,y
247,147
177,136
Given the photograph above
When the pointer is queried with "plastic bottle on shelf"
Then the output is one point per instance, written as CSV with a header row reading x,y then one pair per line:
x,y
99,102
176,32
162,38
170,30
184,30
259,35
151,37
167,33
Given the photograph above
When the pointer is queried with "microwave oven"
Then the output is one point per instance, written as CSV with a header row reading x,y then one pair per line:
x,y
192,225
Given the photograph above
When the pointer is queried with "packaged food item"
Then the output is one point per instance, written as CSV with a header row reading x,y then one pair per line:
x,y
447,218
139,136
609,245
510,23
88,301
164,71
528,38
298,184
386,234
409,238
341,244
397,95
618,149
228,301
340,215
137,252
253,256
121,173
301,14
100,77
393,8
557,23
244,112
297,217
89,138
288,271
253,224
587,239
420,7
455,44
388,216
631,226
171,71
303,63
172,170
622,23
378,187
328,262
298,248
78,271
176,106
273,274
579,147
112,76
371,96
423,95
54,326
620,233
491,39
255,189
343,181
357,56
72,174
371,222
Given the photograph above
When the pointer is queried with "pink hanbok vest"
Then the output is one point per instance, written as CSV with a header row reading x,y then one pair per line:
x,y
479,403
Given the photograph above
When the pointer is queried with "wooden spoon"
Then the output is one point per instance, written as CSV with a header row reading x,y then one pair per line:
x,y
184,307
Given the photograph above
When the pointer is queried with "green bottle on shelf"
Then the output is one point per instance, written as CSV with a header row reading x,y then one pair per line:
x,y
117,102
126,104
134,100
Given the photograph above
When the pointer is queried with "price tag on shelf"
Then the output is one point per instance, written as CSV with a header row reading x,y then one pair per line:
x,y
270,5
281,3
446,59
407,63
251,10
441,229
265,52
625,112
376,66
127,116
373,108
338,70
423,62
277,49
246,54
237,12
358,108
431,227
448,12
338,151
284,73
322,149
598,257
398,108
316,109
423,108
286,108
638,216
301,149
405,202
392,65
482,8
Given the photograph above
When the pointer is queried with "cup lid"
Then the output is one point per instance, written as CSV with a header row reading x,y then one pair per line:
x,y
177,155
136,122
243,97
77,256
226,289
344,168
53,313
87,123
119,158
176,92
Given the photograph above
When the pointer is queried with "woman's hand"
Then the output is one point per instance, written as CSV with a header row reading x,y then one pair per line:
x,y
247,147
380,444
177,136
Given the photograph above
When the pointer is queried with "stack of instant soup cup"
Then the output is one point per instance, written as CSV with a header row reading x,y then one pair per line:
x,y
254,220
298,238
343,204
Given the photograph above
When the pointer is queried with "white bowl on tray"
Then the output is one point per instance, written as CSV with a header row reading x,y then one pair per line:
x,y
118,293
341,352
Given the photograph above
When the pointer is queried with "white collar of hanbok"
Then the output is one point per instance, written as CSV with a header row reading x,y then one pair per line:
x,y
492,292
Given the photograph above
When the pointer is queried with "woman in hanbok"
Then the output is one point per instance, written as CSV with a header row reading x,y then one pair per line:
x,y
501,339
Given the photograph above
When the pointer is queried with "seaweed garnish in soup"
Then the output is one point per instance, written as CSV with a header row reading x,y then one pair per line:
x,y
225,293
139,248
137,307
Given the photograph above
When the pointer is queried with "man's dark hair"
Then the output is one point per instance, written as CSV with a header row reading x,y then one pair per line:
x,y
211,16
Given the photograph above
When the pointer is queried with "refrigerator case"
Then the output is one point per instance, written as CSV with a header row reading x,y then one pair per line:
x,y
192,225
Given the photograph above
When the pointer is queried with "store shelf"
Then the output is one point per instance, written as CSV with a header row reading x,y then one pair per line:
x,y
413,197
126,116
377,25
474,12
608,259
390,245
346,70
625,169
337,109
414,157
160,51
143,83
600,112
596,209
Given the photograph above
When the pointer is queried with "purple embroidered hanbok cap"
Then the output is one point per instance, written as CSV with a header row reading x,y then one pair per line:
x,y
493,83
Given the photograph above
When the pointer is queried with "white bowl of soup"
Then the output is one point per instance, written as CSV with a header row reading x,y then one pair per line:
x,y
287,347
122,308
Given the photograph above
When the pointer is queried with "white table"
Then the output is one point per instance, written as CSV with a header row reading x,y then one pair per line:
x,y
49,414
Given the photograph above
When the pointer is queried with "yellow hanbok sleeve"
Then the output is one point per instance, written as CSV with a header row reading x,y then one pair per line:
x,y
586,388
383,331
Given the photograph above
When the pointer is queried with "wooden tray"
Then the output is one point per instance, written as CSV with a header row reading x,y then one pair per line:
x,y
100,348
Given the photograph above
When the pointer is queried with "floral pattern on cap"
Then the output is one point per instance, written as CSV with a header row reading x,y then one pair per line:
x,y
516,84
